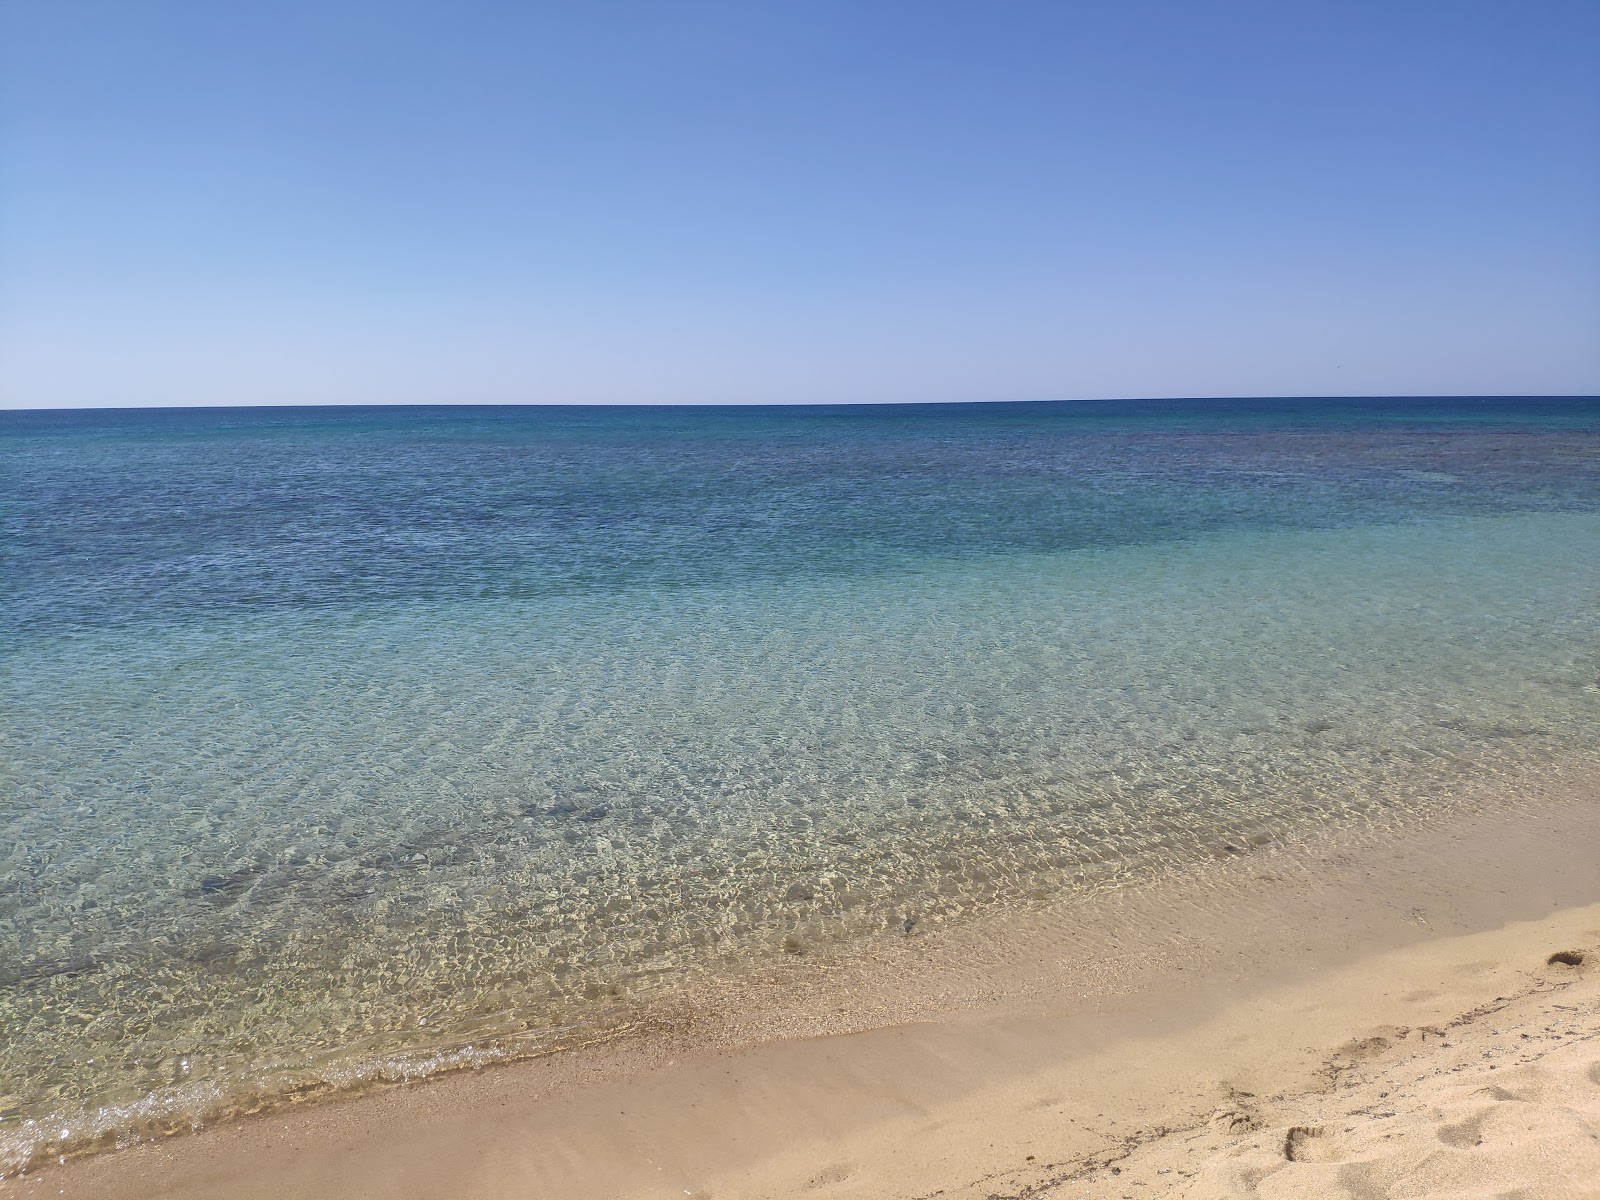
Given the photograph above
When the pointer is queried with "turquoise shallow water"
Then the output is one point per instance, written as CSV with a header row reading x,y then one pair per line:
x,y
346,744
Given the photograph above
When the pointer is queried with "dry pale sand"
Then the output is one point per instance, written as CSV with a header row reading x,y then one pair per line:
x,y
1494,1091
1373,1016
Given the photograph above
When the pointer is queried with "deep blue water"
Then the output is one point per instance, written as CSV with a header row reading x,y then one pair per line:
x,y
342,739
157,515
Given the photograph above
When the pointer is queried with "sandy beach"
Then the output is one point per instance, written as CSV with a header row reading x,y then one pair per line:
x,y
1377,1015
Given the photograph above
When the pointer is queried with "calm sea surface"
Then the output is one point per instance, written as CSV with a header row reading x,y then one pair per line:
x,y
343,744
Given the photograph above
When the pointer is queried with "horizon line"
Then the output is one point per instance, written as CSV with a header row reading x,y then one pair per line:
x,y
690,404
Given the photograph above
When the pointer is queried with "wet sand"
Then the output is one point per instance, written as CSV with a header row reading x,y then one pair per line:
x,y
1316,1020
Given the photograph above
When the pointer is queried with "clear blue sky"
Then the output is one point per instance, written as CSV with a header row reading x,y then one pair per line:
x,y
323,201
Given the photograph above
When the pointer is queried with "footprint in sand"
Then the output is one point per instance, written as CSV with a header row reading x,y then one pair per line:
x,y
1464,1135
1309,1144
1358,1051
1236,1113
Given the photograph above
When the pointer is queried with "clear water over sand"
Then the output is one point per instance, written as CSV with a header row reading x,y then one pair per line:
x,y
347,744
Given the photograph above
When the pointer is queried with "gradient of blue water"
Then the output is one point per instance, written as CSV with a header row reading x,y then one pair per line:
x,y
341,739
175,514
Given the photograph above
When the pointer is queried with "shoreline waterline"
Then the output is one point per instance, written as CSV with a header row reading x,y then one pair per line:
x,y
996,997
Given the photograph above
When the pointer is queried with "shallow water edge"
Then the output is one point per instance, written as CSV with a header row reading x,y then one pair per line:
x,y
979,1011
1483,857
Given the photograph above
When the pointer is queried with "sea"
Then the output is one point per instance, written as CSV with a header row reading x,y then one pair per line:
x,y
352,744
